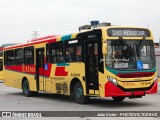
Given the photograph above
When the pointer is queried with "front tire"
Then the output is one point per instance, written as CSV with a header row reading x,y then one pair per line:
x,y
26,89
118,99
79,94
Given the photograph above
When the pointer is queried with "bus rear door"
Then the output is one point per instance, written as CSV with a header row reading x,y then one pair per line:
x,y
40,68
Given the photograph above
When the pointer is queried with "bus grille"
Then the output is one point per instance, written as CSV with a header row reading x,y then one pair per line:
x,y
136,75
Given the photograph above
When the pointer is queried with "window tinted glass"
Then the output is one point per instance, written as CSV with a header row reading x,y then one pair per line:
x,y
56,52
73,54
9,57
18,56
29,55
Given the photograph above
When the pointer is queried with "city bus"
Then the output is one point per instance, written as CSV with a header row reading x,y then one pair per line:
x,y
1,63
108,61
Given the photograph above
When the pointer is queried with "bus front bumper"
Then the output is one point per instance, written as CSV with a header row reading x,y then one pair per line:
x,y
112,90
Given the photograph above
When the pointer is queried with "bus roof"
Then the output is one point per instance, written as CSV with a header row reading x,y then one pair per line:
x,y
54,38
48,39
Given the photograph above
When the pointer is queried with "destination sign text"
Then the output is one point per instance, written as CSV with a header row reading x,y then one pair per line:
x,y
128,32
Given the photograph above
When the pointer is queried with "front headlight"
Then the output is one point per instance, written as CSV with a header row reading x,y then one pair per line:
x,y
112,80
155,79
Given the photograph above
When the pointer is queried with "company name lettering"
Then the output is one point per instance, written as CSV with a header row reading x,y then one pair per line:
x,y
29,69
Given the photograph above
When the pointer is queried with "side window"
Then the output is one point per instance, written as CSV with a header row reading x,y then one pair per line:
x,y
73,50
59,55
19,56
73,54
1,53
79,53
9,57
29,55
56,52
1,65
70,52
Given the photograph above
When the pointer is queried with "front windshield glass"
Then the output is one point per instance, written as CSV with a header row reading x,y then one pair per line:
x,y
130,54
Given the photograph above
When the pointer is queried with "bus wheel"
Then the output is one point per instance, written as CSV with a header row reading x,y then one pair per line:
x,y
118,99
26,90
79,94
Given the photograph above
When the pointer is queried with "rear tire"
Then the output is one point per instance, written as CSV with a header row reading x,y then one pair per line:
x,y
118,99
72,96
79,94
26,89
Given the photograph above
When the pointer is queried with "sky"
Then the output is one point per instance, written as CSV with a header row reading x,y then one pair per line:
x,y
19,18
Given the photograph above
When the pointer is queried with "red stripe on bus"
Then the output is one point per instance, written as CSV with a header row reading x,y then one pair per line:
x,y
60,71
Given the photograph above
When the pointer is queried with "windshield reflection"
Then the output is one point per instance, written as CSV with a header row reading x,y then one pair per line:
x,y
125,54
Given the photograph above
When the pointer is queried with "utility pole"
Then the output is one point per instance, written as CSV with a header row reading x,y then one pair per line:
x,y
35,33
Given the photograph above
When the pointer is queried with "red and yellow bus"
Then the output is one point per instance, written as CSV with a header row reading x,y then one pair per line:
x,y
110,61
1,63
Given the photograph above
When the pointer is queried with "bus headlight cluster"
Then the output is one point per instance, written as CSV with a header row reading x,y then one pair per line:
x,y
155,79
112,80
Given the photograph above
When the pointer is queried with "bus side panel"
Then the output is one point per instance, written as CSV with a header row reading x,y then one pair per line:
x,y
32,82
76,70
61,77
49,86
12,79
1,75
102,82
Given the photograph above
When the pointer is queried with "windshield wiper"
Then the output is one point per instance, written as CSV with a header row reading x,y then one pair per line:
x,y
139,46
121,39
129,47
141,42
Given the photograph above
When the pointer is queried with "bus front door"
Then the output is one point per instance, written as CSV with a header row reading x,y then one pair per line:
x,y
91,66
40,68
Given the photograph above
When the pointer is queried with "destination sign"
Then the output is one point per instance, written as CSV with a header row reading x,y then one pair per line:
x,y
72,42
128,32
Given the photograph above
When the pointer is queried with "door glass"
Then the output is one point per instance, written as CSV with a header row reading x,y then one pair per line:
x,y
40,58
96,56
90,57
92,54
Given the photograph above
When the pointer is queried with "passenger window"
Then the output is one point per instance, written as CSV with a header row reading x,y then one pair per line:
x,y
19,56
29,55
56,52
9,57
73,54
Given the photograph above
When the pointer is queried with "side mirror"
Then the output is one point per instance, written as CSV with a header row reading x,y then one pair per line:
x,y
104,48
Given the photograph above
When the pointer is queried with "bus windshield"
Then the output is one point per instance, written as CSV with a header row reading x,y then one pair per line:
x,y
125,54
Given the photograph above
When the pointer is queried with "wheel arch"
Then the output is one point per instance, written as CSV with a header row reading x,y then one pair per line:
x,y
23,79
72,84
